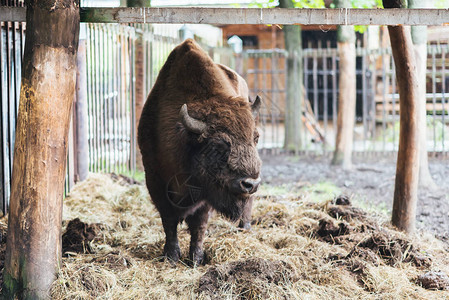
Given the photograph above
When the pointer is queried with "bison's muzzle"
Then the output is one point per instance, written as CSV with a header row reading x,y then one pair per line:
x,y
245,185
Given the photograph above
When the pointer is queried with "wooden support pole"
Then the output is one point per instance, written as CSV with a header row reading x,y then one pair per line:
x,y
139,75
33,249
406,184
294,100
347,93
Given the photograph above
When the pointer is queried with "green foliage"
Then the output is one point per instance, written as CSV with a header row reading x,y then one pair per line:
x,y
309,3
296,3
441,3
366,3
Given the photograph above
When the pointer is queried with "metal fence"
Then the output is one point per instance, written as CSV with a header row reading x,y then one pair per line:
x,y
111,89
11,48
110,71
377,106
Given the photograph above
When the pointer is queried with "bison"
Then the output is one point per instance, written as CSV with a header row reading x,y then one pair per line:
x,y
198,137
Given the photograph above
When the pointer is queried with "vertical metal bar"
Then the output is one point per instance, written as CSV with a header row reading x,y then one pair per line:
x,y
3,161
325,94
384,95
285,85
115,75
89,92
11,108
256,75
315,84
15,61
364,99
102,110
434,79
132,109
93,97
373,94
334,90
124,79
305,94
393,111
443,97
263,85
108,98
97,100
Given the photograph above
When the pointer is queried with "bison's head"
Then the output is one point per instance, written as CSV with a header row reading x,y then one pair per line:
x,y
222,137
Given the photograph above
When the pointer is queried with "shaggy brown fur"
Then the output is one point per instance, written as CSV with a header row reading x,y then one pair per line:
x,y
189,173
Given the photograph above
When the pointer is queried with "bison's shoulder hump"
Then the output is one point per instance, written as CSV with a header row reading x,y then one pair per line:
x,y
193,71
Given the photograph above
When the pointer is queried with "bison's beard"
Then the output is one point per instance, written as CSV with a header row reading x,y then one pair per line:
x,y
222,200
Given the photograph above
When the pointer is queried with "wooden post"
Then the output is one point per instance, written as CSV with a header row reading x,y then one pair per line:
x,y
293,109
81,138
347,93
406,185
419,38
139,75
33,249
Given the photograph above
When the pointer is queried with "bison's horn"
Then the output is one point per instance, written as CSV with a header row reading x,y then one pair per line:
x,y
190,123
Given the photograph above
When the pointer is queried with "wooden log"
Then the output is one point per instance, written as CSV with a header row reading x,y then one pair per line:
x,y
293,110
139,83
33,250
406,184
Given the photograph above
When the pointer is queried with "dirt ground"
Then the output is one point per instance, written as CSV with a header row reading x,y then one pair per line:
x,y
370,182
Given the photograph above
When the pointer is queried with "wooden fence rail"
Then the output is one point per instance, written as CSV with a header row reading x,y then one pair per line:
x,y
223,16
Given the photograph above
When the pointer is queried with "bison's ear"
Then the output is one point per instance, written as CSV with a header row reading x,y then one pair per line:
x,y
255,106
190,123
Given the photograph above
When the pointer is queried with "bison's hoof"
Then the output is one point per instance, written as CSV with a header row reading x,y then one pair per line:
x,y
245,225
172,253
196,257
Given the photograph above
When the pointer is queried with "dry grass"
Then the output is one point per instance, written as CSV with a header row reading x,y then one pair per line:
x,y
282,257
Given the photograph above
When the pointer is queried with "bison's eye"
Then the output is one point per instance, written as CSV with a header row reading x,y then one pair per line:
x,y
256,137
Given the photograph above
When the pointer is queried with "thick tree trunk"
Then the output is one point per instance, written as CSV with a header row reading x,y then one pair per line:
x,y
419,38
347,93
293,110
139,75
33,250
406,185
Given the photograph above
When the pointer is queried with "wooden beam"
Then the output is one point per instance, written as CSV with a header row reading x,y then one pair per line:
x,y
223,16
12,14
33,247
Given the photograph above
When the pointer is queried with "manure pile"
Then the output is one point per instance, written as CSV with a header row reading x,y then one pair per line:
x,y
296,249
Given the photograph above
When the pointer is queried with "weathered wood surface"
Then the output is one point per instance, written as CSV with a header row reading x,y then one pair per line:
x,y
407,168
222,16
347,93
294,100
33,248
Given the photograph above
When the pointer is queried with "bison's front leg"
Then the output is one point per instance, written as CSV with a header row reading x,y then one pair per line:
x,y
197,227
245,221
171,248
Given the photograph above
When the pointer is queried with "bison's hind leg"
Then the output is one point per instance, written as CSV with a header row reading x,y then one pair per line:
x,y
171,248
197,223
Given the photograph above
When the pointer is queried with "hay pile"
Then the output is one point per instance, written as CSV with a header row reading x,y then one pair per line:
x,y
296,250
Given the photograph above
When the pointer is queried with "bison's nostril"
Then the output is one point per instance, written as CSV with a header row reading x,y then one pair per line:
x,y
246,186
249,185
